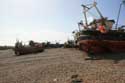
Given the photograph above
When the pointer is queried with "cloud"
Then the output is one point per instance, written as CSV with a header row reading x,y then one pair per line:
x,y
27,8
22,8
32,20
36,33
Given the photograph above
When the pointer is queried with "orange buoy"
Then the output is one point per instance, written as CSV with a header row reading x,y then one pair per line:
x,y
102,29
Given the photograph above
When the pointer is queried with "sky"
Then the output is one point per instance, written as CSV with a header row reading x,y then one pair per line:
x,y
47,20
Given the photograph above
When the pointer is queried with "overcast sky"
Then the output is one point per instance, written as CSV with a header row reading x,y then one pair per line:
x,y
43,20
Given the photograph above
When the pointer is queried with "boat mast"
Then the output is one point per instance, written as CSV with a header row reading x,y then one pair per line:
x,y
94,4
85,18
79,27
85,8
123,1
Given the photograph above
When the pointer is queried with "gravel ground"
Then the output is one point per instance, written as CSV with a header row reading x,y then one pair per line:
x,y
57,66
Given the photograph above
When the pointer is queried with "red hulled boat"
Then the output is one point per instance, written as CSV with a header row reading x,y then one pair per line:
x,y
99,36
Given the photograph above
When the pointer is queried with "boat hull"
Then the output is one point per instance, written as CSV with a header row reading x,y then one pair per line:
x,y
101,46
28,50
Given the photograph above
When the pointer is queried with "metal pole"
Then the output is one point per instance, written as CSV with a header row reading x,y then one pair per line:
x,y
118,16
79,27
94,5
86,22
99,12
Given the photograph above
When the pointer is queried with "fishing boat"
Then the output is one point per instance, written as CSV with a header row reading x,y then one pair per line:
x,y
99,36
33,47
